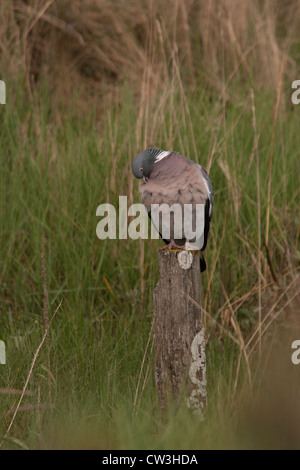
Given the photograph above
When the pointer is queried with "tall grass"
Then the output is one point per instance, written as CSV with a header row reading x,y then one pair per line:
x,y
198,77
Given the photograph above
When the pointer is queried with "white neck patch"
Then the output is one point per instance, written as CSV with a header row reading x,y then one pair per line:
x,y
162,155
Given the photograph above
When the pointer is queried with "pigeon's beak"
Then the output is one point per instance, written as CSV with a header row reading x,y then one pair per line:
x,y
145,179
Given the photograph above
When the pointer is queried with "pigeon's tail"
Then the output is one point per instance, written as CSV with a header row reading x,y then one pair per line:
x,y
202,262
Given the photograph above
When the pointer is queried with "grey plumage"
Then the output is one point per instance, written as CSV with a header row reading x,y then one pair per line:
x,y
169,178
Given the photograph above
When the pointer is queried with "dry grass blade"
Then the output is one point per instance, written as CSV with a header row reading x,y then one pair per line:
x,y
25,386
46,314
235,340
214,267
146,376
278,94
141,369
29,376
39,15
239,334
256,137
29,408
237,373
257,332
14,391
276,315
52,20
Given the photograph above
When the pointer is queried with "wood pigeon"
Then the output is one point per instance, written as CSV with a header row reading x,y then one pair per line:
x,y
169,178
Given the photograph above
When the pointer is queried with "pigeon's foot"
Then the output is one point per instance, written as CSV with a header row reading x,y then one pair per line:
x,y
189,246
172,247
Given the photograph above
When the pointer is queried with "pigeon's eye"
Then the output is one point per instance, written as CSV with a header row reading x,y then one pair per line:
x,y
141,169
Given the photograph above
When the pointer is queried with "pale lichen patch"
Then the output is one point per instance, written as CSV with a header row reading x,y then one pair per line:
x,y
197,398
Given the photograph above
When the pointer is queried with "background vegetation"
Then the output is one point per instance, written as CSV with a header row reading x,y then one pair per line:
x,y
89,85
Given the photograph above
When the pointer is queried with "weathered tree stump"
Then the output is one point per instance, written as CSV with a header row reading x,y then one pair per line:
x,y
180,364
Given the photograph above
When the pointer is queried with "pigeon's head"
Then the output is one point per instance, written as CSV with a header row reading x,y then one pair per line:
x,y
144,161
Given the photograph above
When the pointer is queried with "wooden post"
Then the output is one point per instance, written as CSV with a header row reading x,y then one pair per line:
x,y
180,364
